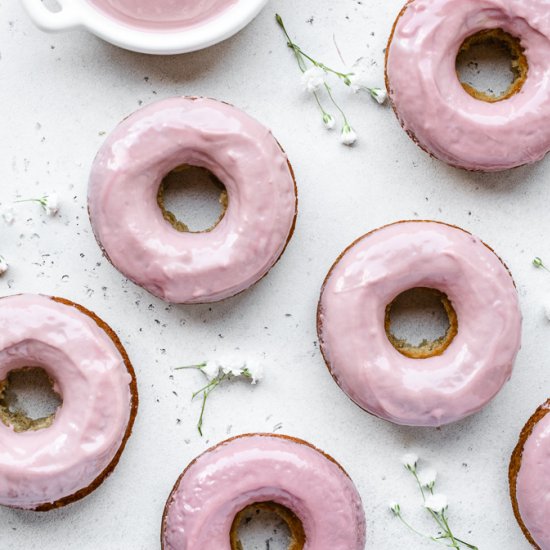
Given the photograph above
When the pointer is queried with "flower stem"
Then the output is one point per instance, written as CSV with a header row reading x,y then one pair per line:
x,y
299,53
416,532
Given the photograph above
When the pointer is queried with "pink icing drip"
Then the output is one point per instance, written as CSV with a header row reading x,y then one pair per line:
x,y
185,267
263,468
46,465
533,484
159,14
444,118
420,392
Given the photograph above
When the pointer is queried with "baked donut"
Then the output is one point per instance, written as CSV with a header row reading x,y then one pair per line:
x,y
452,121
530,478
61,459
160,255
437,383
305,487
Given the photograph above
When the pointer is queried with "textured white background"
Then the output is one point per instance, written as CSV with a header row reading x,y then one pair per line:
x,y
58,94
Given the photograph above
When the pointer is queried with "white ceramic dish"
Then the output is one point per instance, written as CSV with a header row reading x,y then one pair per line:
x,y
81,14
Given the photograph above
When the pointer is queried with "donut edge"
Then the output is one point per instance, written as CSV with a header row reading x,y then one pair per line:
x,y
515,466
46,507
335,264
411,135
289,237
228,441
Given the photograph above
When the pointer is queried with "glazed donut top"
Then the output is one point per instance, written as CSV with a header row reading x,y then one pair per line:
x,y
263,468
240,152
533,482
44,466
431,102
437,390
176,13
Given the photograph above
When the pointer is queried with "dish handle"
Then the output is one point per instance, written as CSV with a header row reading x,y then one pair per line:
x,y
47,20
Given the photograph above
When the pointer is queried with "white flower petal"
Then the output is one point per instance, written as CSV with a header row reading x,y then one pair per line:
x,y
50,203
410,460
436,503
256,372
211,370
313,79
427,477
3,265
348,136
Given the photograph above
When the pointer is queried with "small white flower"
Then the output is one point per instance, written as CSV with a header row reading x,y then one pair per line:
x,y
410,460
329,121
50,204
379,95
254,372
9,216
211,370
395,508
3,266
427,478
348,136
233,370
313,79
436,503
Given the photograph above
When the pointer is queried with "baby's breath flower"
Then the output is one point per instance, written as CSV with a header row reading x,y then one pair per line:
x,y
348,136
313,79
219,371
3,265
254,372
427,478
436,503
329,121
410,460
211,369
395,508
379,95
49,203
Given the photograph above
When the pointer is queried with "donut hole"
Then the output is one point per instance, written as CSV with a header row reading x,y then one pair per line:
x,y
267,525
28,400
491,65
192,199
421,323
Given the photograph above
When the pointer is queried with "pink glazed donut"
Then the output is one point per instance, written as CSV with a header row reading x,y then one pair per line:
x,y
263,468
61,459
530,478
437,111
441,388
183,267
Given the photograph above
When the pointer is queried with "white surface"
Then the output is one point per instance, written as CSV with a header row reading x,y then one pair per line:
x,y
59,93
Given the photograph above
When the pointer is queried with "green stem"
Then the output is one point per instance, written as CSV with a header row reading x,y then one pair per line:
x,y
299,53
195,367
450,533
416,532
329,92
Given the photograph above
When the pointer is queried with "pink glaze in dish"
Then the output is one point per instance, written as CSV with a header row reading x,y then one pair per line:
x,y
41,467
419,392
533,483
263,468
434,108
192,267
168,14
